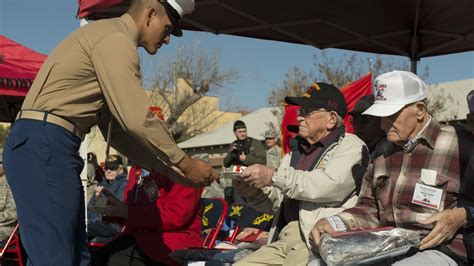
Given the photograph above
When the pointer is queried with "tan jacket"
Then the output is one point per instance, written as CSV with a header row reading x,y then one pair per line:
x,y
93,76
325,191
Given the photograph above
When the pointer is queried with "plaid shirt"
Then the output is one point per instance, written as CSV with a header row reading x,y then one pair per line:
x,y
388,186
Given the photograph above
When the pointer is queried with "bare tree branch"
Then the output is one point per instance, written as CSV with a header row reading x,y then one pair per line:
x,y
339,72
203,73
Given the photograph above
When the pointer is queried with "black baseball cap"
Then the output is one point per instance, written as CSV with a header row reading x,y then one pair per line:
x,y
113,162
321,95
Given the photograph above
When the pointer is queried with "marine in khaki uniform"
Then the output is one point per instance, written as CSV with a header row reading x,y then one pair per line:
x,y
91,78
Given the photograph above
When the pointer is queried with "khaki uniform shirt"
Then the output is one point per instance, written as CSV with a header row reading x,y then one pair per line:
x,y
7,210
92,77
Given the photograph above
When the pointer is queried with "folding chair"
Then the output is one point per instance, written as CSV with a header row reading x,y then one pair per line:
x,y
249,217
12,249
214,212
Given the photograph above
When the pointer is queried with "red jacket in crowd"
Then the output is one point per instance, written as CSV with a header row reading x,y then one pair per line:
x,y
165,221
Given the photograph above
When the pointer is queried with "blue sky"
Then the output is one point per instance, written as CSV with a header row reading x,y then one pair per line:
x,y
41,25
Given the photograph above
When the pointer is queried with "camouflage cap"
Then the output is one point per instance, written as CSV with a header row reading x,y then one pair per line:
x,y
270,134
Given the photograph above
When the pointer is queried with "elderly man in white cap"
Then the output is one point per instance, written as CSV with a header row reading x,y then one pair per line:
x,y
419,156
91,78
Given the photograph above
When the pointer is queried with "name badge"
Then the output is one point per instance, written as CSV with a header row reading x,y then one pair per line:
x,y
427,196
151,190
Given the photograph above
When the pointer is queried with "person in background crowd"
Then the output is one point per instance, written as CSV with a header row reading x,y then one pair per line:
x,y
273,149
317,179
161,217
92,167
245,150
366,127
164,217
8,217
115,181
470,105
415,181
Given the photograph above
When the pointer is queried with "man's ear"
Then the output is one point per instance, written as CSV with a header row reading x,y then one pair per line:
x,y
150,13
420,110
332,122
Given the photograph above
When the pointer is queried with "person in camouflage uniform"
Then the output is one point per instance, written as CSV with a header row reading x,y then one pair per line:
x,y
273,149
7,206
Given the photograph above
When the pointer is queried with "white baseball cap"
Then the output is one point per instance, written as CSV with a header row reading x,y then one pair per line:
x,y
394,90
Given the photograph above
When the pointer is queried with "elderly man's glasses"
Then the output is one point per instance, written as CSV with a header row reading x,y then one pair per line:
x,y
308,112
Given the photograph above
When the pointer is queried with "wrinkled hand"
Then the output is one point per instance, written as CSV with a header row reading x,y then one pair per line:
x,y
244,189
258,175
447,223
115,207
198,171
247,231
322,226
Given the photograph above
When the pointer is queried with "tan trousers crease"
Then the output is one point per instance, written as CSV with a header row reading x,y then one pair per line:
x,y
290,249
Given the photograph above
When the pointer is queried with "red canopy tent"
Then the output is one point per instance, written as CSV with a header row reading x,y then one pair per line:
x,y
18,68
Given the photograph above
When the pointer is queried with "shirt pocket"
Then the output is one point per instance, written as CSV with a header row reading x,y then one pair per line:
x,y
450,187
382,191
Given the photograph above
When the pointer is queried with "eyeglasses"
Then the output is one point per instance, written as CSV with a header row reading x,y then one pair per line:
x,y
308,112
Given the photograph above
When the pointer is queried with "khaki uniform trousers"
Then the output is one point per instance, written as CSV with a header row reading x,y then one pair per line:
x,y
290,249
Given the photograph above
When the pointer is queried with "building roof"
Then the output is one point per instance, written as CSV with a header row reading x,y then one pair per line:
x,y
453,95
257,123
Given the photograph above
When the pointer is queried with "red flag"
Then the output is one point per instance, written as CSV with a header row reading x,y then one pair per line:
x,y
353,92
289,119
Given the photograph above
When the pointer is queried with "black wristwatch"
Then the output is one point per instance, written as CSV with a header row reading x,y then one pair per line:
x,y
469,216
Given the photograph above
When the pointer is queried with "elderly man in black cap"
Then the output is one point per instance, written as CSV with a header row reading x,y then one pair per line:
x,y
316,180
